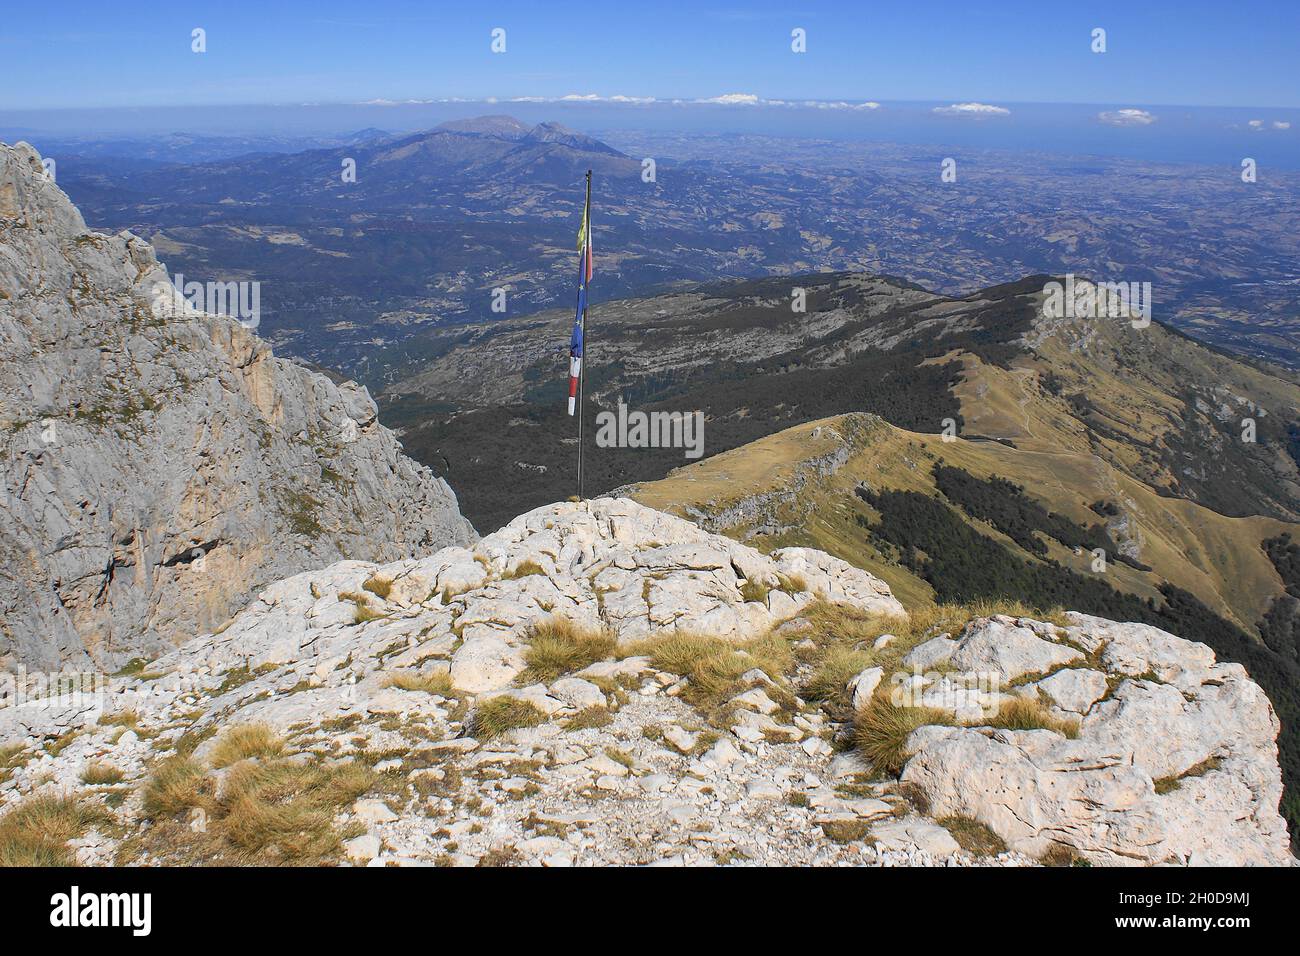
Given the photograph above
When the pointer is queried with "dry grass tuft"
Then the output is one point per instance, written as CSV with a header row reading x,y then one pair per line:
x,y
557,647
123,718
284,812
989,607
791,583
500,856
845,831
437,683
713,666
972,836
380,587
589,718
835,668
364,612
276,811
1062,855
11,757
881,729
177,783
244,741
1026,713
97,774
1169,784
36,832
523,569
844,637
62,742
499,714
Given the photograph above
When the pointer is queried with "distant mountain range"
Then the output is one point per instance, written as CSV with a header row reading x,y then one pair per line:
x,y
142,150
355,273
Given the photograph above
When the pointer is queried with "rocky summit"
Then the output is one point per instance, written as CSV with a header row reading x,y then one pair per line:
x,y
599,682
160,465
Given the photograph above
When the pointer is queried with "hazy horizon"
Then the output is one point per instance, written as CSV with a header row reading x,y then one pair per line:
x,y
1156,133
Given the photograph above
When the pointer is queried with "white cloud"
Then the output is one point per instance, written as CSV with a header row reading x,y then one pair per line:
x,y
1262,126
383,102
727,99
837,105
1127,117
751,99
733,99
582,98
971,109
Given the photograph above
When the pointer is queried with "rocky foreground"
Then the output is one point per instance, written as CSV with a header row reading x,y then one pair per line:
x,y
602,683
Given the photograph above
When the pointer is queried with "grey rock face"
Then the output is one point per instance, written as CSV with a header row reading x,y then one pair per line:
x,y
160,465
1174,764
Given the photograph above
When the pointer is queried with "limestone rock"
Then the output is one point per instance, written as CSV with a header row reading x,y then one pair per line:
x,y
578,693
362,849
160,465
864,685
1210,737
915,833
1073,689
1009,650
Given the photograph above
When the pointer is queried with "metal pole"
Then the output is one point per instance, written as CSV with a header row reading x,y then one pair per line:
x,y
582,371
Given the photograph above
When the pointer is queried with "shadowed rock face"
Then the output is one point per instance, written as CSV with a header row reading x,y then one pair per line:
x,y
160,465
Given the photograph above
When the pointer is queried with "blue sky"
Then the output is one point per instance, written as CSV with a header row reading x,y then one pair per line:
x,y
92,54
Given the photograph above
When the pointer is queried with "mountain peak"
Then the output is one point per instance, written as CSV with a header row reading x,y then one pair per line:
x,y
499,125
552,132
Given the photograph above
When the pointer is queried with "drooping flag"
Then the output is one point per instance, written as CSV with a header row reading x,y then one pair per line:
x,y
584,276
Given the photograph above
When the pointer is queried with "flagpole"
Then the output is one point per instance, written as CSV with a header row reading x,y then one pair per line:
x,y
582,371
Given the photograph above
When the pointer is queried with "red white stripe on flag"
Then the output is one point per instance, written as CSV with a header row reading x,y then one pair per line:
x,y
575,369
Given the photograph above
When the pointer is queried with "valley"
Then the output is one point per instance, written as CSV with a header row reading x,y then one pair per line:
x,y
357,274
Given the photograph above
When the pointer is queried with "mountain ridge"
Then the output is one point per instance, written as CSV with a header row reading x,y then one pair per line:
x,y
983,361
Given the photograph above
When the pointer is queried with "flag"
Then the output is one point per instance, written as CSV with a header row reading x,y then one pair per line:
x,y
584,238
584,276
